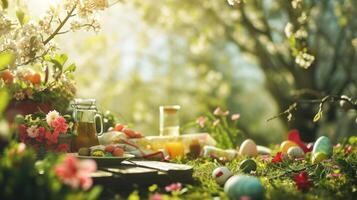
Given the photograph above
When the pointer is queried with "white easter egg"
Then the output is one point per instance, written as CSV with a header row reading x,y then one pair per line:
x,y
221,175
248,148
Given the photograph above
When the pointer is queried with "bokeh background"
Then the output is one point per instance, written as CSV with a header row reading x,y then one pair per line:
x,y
196,54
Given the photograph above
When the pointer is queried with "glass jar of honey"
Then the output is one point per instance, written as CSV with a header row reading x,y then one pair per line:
x,y
85,116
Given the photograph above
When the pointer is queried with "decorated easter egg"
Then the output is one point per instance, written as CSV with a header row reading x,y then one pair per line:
x,y
248,165
323,144
221,175
263,150
284,147
248,148
318,157
295,152
244,186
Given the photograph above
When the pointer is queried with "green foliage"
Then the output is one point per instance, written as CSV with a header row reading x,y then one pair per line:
x,y
5,59
4,98
4,4
21,177
331,179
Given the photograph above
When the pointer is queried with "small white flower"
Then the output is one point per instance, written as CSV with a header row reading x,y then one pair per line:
x,y
52,115
289,28
32,131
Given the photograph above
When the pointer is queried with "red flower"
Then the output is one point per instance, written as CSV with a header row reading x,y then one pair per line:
x,y
52,138
302,181
41,134
294,136
173,187
62,148
60,125
23,134
278,157
349,149
76,173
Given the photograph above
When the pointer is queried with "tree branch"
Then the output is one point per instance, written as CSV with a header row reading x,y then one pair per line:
x,y
62,23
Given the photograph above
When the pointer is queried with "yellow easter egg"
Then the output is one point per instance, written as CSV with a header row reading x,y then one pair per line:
x,y
318,157
284,147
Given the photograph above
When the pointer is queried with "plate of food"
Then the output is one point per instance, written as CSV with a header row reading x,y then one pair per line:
x,y
104,155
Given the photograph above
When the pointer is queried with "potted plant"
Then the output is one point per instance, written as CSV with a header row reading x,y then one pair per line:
x,y
46,132
36,75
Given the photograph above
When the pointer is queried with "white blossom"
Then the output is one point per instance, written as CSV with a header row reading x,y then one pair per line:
x,y
232,2
52,115
32,131
304,60
5,24
289,29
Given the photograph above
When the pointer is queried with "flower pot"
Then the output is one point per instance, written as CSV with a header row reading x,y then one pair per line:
x,y
24,108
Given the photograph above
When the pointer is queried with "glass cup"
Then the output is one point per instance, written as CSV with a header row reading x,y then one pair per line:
x,y
169,120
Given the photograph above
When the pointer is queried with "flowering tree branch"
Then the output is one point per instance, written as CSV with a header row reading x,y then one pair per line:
x,y
62,23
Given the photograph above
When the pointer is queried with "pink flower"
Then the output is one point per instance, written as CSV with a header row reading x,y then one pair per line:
x,y
235,117
76,173
302,181
219,112
157,197
52,138
348,149
32,131
265,158
21,148
244,198
60,125
215,122
201,121
173,187
334,175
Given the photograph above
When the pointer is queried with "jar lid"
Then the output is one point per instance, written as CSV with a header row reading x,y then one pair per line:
x,y
84,104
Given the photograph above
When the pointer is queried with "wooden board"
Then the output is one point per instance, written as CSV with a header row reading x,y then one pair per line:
x,y
142,173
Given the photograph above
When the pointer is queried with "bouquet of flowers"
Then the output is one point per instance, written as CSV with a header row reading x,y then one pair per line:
x,y
51,132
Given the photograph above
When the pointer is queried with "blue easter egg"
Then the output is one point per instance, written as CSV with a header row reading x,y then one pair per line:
x,y
242,185
323,145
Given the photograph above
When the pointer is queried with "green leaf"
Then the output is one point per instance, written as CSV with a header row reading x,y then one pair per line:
x,y
4,98
5,59
94,193
5,4
61,58
71,68
20,16
47,57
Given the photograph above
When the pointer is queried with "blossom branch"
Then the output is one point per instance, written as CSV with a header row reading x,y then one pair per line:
x,y
62,23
